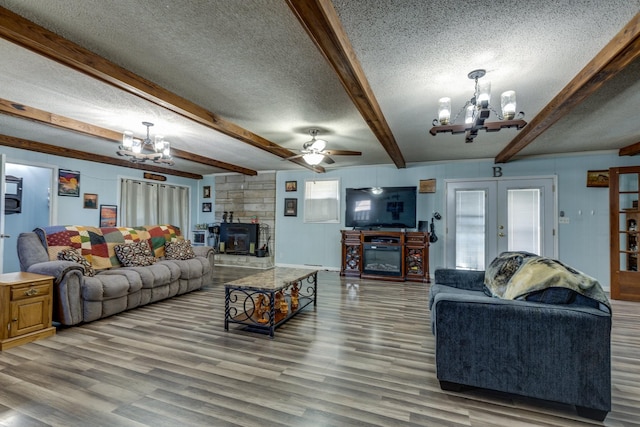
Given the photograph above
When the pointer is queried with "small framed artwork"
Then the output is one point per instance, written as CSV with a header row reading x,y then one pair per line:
x,y
90,201
291,186
108,215
206,192
599,178
206,207
68,183
290,207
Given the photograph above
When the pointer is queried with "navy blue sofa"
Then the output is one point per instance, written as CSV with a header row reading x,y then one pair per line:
x,y
555,352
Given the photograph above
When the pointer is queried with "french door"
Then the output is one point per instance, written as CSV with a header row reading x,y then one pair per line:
x,y
487,217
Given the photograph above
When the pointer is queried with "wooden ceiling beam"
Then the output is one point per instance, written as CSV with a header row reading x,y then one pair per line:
x,y
29,35
320,20
44,117
630,150
26,144
623,49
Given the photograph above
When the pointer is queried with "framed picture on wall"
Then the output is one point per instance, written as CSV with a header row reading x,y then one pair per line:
x,y
206,192
206,207
599,178
291,186
68,183
290,207
90,201
108,215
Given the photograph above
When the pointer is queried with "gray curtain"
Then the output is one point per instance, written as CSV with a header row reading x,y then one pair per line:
x,y
147,203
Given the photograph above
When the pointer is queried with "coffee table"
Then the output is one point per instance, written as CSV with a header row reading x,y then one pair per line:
x,y
266,300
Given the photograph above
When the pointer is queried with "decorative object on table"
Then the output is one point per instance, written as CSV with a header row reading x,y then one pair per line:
x,y
313,152
290,207
206,207
477,110
68,183
225,216
206,192
158,150
598,178
427,186
291,186
90,201
108,215
230,216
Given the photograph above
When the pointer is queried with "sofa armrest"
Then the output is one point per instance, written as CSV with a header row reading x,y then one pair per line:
x,y
461,279
204,251
551,352
67,289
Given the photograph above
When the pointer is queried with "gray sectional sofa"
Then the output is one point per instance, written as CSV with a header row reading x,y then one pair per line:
x,y
110,288
552,343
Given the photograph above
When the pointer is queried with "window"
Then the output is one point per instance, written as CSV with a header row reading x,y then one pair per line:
x,y
322,201
146,203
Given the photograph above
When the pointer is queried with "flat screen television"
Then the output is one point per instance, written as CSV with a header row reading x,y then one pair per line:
x,y
382,207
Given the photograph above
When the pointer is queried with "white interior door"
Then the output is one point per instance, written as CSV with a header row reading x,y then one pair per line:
x,y
487,217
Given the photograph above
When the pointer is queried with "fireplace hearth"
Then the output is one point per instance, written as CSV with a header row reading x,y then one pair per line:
x,y
239,238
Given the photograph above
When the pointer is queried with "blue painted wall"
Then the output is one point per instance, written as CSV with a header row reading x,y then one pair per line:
x,y
95,178
583,243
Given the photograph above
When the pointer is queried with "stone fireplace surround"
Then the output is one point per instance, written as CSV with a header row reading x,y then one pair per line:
x,y
250,198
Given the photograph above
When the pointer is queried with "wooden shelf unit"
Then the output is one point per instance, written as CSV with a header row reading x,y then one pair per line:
x,y
25,308
412,246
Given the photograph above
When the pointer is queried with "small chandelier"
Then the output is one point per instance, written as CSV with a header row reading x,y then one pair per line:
x,y
134,148
477,110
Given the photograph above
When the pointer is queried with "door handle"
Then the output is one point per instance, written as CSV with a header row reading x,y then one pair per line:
x,y
4,236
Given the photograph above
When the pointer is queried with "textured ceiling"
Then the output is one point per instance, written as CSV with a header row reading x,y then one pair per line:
x,y
253,64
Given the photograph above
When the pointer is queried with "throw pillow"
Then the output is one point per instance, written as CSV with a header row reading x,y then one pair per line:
x,y
135,254
180,249
75,256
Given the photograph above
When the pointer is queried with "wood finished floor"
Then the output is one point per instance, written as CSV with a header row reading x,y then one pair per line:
x,y
364,356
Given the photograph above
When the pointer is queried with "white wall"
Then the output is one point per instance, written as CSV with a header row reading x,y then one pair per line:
x,y
583,243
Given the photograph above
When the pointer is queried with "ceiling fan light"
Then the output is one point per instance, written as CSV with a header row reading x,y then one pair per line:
x,y
508,104
313,159
444,110
319,145
127,140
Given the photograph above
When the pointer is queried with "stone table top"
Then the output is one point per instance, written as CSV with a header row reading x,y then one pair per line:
x,y
273,279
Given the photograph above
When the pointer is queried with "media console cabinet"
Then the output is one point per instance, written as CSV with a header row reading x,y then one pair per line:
x,y
386,255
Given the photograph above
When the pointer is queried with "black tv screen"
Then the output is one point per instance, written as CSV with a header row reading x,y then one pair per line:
x,y
381,207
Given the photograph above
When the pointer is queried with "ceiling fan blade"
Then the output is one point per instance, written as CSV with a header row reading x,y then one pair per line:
x,y
297,156
328,160
342,153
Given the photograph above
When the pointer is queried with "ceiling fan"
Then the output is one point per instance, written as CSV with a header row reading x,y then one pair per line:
x,y
313,152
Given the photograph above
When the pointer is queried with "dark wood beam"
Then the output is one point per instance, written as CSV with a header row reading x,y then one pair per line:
x,y
320,20
623,49
29,35
630,150
44,117
26,144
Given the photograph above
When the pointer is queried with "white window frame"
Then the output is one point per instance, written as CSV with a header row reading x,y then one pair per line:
x,y
313,194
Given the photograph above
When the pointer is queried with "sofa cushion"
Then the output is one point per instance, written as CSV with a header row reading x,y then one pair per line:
x,y
111,284
180,249
71,254
135,254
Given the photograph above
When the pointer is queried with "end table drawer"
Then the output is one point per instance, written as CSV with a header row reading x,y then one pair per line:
x,y
29,291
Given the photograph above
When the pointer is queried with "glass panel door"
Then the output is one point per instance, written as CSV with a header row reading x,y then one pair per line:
x,y
485,218
624,218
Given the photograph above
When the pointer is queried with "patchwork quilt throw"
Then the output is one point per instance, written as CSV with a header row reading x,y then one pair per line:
x,y
97,244
516,275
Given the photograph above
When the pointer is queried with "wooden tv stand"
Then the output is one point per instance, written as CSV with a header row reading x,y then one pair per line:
x,y
386,255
